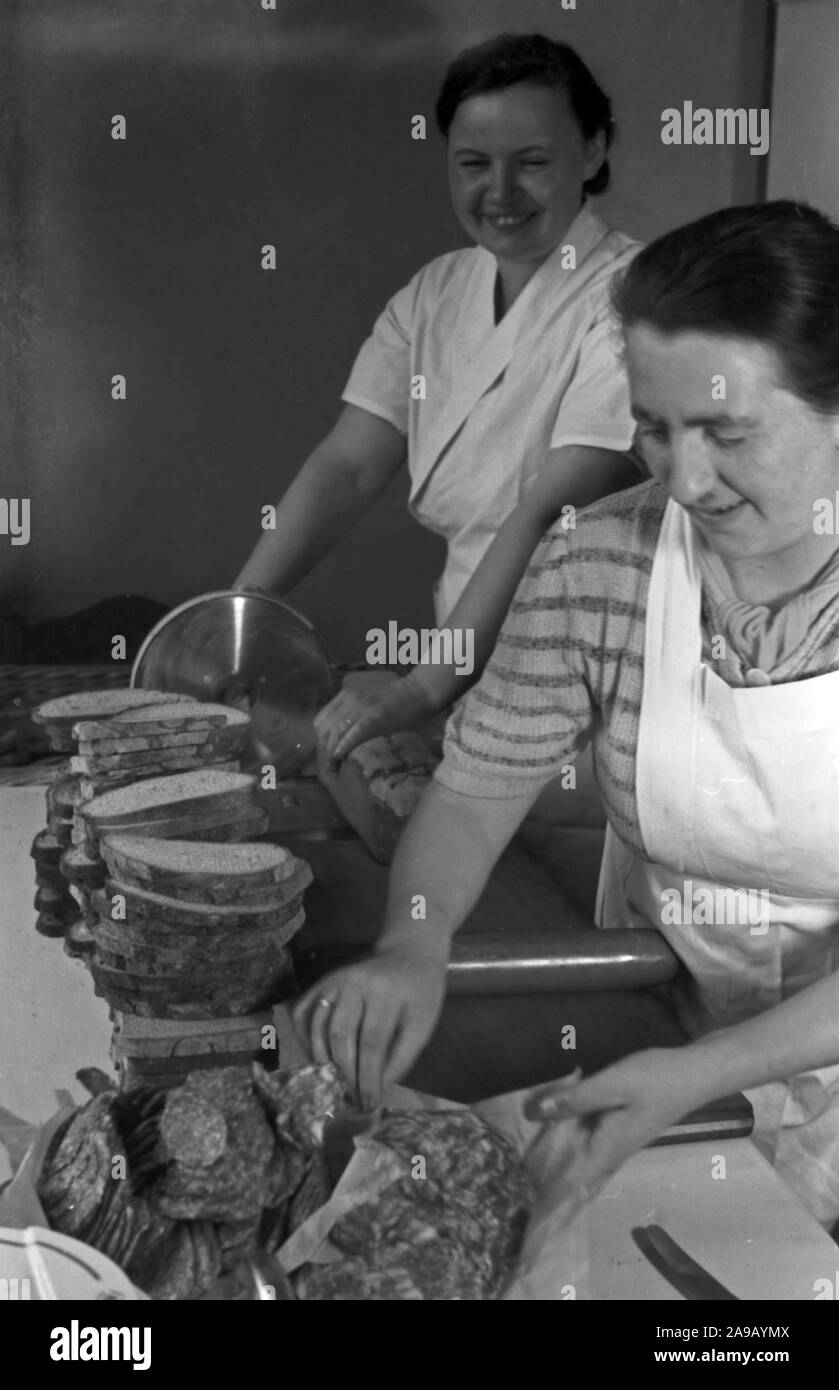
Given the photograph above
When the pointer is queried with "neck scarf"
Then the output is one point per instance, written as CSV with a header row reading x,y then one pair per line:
x,y
763,636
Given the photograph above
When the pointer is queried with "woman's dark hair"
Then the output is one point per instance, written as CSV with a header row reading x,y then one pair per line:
x,y
511,58
768,272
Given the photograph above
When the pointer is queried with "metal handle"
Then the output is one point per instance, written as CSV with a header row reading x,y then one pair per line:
x,y
562,961
535,962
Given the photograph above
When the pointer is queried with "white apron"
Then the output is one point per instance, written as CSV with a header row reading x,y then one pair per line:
x,y
737,789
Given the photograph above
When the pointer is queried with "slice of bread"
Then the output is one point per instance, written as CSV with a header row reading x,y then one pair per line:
x,y
245,824
206,873
51,899
66,710
149,910
80,867
63,793
207,789
189,997
52,923
160,758
46,848
191,960
49,875
60,829
105,747
118,778
206,947
185,715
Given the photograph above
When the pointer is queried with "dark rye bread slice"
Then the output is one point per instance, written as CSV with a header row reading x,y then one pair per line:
x,y
214,949
161,798
159,909
61,830
377,787
80,867
52,923
189,996
206,873
162,720
164,953
46,849
49,876
51,899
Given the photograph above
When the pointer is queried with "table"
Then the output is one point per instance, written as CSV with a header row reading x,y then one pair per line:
x,y
746,1228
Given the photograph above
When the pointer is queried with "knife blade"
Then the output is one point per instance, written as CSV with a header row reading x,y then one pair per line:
x,y
339,1133
678,1267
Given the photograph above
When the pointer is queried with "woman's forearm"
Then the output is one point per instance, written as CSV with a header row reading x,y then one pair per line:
x,y
337,483
321,504
795,1036
444,858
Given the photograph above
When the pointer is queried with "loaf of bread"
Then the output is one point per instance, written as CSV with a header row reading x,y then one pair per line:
x,y
377,788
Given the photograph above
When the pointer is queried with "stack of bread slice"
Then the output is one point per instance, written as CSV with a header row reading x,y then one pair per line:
x,y
116,738
208,804
186,915
155,739
56,906
189,929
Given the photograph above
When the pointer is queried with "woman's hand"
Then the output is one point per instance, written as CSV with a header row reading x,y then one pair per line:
x,y
626,1106
354,716
374,1018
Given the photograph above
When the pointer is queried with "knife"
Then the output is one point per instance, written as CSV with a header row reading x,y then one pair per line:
x,y
339,1134
678,1267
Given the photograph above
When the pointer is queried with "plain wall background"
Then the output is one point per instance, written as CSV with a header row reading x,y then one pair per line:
x,y
804,157
143,257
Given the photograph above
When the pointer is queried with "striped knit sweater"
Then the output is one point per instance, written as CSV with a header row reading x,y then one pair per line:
x,y
568,664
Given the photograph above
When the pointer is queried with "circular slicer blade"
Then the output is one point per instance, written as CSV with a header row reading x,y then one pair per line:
x,y
250,651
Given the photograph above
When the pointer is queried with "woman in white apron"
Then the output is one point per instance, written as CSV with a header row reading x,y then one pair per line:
x,y
691,629
494,373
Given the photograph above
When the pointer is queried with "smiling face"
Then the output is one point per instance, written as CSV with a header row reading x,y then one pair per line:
x,y
748,468
517,162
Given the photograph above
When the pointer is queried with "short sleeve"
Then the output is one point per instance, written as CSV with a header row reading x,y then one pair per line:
x,y
595,408
531,712
380,380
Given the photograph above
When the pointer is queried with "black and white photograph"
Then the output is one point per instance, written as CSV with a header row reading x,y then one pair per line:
x,y
419,664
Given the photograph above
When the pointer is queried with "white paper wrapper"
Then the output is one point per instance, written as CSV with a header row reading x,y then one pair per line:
x,y
58,1267
555,1257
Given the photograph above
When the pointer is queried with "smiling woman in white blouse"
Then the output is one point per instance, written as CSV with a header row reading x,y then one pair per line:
x,y
494,373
